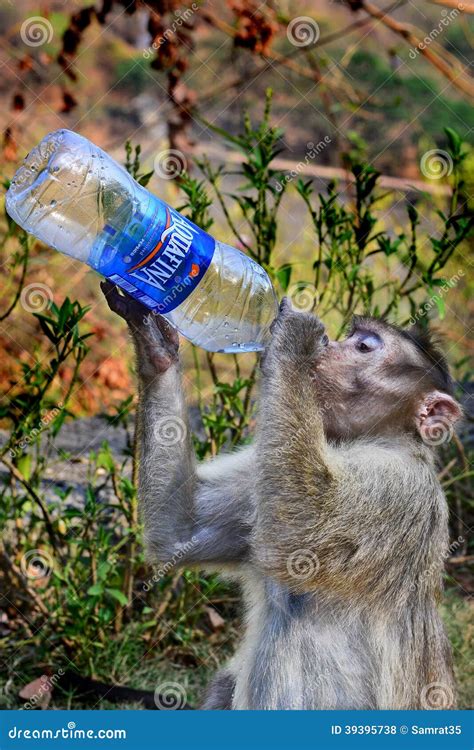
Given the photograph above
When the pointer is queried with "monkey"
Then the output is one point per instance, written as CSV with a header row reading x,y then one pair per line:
x,y
333,521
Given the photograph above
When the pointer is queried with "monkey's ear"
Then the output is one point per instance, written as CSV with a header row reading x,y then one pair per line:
x,y
436,417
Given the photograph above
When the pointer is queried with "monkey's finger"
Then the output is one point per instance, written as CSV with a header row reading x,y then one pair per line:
x,y
285,306
169,333
134,312
284,309
116,301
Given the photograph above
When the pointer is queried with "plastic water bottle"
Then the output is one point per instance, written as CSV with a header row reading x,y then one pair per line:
x,y
72,196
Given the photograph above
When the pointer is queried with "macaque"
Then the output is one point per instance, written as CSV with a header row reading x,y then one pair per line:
x,y
333,521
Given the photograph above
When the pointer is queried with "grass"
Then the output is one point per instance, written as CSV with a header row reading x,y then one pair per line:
x,y
458,617
187,668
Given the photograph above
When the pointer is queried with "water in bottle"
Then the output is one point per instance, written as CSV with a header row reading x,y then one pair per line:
x,y
74,197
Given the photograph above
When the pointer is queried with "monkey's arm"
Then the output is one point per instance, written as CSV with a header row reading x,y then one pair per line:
x,y
328,517
294,471
199,514
191,515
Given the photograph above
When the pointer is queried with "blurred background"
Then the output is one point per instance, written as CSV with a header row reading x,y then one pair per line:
x,y
332,141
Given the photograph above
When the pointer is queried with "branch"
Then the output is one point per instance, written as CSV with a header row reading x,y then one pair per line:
x,y
463,560
462,7
17,295
47,518
268,56
409,35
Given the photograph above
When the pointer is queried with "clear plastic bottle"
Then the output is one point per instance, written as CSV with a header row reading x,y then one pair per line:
x,y
77,199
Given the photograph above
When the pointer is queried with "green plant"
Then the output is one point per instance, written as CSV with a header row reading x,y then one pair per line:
x,y
76,574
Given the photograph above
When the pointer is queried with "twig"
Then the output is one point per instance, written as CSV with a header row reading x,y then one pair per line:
x,y
462,7
47,518
461,560
328,173
270,57
17,295
409,35
458,478
447,468
214,374
164,605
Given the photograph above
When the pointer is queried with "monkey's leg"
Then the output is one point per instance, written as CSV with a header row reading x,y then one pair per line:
x,y
188,517
219,692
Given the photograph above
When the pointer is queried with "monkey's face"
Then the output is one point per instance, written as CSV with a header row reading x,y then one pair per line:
x,y
376,381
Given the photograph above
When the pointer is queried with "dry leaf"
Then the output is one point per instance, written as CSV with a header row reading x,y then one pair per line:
x,y
215,619
37,692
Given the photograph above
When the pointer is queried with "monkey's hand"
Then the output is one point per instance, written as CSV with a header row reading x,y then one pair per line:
x,y
297,338
156,341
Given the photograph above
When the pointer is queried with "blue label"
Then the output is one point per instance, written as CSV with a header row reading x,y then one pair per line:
x,y
157,256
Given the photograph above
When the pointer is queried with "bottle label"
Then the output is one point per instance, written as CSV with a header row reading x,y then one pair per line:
x,y
159,257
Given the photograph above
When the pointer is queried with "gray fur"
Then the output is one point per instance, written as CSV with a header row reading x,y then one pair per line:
x,y
330,537
220,692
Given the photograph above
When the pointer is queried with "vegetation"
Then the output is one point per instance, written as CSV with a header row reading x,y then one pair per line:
x,y
353,88
77,592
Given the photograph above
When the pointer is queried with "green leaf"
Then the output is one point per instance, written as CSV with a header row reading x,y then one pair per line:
x,y
283,274
103,570
237,141
24,465
96,590
118,595
47,330
145,178
439,301
58,422
454,140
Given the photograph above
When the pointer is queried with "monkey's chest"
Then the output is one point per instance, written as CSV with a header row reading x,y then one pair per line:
x,y
296,657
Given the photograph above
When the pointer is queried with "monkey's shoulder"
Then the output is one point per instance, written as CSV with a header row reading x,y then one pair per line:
x,y
391,453
389,465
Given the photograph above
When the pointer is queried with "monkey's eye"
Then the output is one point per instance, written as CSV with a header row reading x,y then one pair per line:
x,y
368,342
